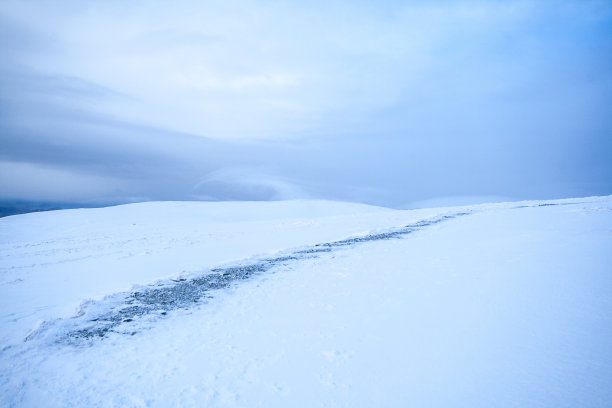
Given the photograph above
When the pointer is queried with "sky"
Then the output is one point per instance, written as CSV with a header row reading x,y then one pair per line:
x,y
394,103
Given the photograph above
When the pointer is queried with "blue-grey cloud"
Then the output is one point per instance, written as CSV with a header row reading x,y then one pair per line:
x,y
385,103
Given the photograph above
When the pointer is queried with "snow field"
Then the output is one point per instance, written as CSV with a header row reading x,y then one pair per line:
x,y
504,307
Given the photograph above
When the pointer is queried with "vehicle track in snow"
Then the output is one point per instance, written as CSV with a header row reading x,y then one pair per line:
x,y
126,312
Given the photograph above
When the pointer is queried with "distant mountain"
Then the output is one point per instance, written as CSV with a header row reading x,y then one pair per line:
x,y
23,207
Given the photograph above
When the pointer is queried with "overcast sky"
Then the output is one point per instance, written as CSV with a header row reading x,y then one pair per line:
x,y
384,102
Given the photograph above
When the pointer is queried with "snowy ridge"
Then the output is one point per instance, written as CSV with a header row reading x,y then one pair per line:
x,y
506,307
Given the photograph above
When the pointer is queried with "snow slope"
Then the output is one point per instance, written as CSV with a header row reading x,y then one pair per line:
x,y
52,261
491,305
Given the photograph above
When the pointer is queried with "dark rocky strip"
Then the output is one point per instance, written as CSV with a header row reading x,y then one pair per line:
x,y
118,313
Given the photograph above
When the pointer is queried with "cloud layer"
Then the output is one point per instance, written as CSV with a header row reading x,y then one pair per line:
x,y
386,103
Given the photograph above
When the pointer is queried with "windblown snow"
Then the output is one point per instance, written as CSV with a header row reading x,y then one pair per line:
x,y
308,303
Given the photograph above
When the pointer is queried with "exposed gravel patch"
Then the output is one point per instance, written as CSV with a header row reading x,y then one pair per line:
x,y
120,312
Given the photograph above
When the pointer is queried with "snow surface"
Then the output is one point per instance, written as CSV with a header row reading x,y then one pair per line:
x,y
499,305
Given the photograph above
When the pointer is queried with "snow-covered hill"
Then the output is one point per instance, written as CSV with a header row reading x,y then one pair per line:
x,y
308,303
